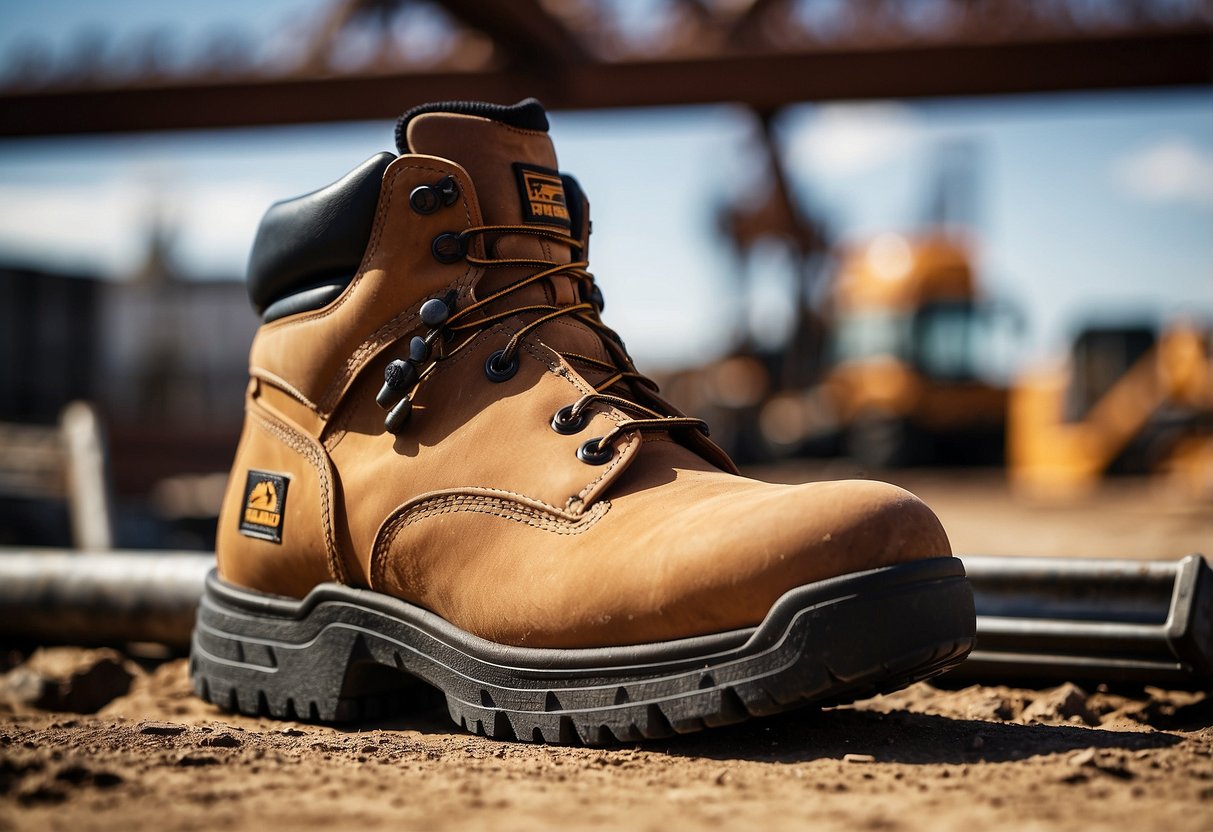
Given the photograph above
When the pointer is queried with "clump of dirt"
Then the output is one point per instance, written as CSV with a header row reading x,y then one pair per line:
x,y
68,679
1068,704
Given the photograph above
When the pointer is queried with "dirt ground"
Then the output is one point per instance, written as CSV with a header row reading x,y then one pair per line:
x,y
981,757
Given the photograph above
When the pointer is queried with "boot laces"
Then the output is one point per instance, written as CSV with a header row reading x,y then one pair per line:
x,y
619,386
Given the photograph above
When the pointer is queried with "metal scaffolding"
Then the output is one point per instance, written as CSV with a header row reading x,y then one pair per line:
x,y
361,59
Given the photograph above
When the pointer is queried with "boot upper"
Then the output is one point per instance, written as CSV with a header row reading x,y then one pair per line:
x,y
622,525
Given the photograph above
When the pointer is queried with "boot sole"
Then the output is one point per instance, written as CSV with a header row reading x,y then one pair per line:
x,y
344,654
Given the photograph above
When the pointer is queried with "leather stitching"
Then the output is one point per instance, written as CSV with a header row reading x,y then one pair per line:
x,y
300,444
282,384
541,516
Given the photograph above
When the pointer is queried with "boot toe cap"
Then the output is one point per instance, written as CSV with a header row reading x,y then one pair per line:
x,y
799,535
852,525
725,559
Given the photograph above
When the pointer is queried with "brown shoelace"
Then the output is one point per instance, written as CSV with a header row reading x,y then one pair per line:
x,y
620,373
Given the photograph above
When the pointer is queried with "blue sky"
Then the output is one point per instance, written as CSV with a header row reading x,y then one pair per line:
x,y
1088,205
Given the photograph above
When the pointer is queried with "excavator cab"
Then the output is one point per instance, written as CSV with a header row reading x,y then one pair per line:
x,y
912,358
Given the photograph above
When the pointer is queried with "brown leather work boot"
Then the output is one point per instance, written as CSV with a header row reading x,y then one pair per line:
x,y
451,472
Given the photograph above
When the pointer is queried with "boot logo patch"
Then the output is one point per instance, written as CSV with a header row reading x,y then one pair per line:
x,y
542,194
264,505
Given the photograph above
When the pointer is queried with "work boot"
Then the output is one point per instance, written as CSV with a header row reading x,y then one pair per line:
x,y
452,476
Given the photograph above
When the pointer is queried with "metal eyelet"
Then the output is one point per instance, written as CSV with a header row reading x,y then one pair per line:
x,y
449,189
564,421
425,199
448,247
591,454
419,350
497,372
434,313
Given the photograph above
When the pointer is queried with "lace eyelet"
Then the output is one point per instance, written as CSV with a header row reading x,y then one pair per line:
x,y
448,247
498,373
419,350
425,199
434,312
449,189
564,422
591,454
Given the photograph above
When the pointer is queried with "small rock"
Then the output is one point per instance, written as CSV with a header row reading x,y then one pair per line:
x,y
1086,757
194,760
106,779
723,777
41,793
1058,705
74,775
161,729
223,740
858,758
977,743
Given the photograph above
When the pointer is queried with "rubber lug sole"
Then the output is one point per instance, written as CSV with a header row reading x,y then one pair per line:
x,y
344,654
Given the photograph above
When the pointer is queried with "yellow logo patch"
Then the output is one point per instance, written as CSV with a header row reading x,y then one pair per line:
x,y
264,505
542,194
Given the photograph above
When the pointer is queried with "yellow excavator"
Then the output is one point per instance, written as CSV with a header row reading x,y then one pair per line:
x,y
1125,399
888,355
905,381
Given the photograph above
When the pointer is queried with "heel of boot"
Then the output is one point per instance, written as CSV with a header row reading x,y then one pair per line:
x,y
292,667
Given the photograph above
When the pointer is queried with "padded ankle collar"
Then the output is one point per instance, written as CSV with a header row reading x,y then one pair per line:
x,y
318,238
527,114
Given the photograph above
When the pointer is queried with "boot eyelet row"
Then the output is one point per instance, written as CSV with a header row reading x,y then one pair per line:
x,y
497,371
400,376
426,199
564,422
591,454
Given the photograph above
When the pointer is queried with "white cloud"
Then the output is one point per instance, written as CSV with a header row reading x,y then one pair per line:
x,y
90,227
102,228
218,221
846,139
1170,170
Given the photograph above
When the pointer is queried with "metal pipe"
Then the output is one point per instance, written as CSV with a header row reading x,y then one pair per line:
x,y
1092,620
100,598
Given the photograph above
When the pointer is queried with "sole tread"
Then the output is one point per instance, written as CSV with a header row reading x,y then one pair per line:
x,y
317,667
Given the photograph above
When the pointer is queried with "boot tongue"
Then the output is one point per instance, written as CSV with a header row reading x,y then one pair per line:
x,y
512,163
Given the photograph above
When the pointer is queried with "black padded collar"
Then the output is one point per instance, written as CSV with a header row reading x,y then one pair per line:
x,y
527,114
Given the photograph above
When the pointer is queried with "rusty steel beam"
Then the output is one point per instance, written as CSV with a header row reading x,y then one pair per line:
x,y
761,81
531,36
